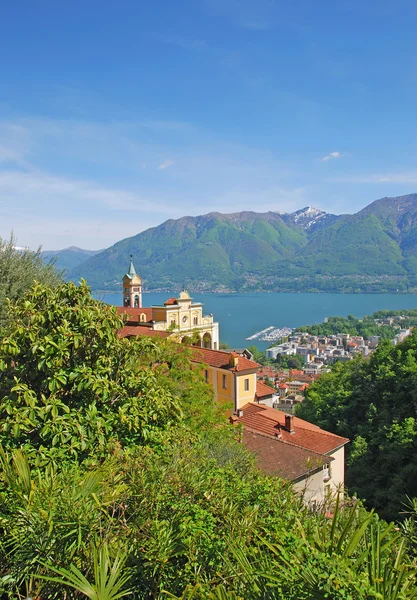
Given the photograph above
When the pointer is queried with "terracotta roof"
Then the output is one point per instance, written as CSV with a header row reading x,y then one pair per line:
x,y
221,360
306,378
170,302
132,330
283,386
295,372
275,457
263,390
271,422
133,314
266,371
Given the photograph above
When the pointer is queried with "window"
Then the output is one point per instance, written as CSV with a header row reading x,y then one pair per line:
x,y
246,385
224,382
173,322
195,321
326,472
206,375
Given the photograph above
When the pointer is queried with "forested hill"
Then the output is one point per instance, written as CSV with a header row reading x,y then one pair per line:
x,y
309,250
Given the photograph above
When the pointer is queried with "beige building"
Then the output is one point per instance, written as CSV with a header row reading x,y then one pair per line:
x,y
177,316
311,458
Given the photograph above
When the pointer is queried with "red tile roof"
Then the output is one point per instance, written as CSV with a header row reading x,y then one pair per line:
x,y
266,372
271,422
263,390
283,386
133,314
132,330
222,360
170,302
275,457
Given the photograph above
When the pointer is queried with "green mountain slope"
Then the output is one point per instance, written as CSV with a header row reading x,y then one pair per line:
x,y
213,248
373,250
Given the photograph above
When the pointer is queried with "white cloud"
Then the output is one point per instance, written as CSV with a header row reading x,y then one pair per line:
x,y
57,212
166,164
331,156
42,190
397,178
61,178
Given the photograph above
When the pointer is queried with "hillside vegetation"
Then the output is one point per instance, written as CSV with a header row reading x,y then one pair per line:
x,y
119,477
309,250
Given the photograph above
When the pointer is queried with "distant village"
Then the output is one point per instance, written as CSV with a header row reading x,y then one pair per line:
x,y
319,352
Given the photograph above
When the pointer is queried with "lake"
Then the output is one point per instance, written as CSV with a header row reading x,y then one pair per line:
x,y
242,315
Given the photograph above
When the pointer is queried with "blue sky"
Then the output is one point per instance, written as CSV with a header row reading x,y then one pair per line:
x,y
115,116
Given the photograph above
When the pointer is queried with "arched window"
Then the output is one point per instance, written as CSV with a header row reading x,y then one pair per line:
x,y
136,301
142,318
206,340
195,321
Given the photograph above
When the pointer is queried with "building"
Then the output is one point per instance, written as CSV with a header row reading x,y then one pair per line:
x,y
296,387
288,403
233,377
289,447
180,316
287,349
265,394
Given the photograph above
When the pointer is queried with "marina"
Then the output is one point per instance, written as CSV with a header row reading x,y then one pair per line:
x,y
257,335
271,334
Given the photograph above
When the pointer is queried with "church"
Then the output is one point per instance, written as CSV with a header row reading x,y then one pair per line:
x,y
177,316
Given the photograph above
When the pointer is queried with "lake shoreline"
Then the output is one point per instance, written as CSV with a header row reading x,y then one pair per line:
x,y
242,314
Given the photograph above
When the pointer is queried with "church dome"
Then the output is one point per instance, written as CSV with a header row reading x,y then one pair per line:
x,y
184,295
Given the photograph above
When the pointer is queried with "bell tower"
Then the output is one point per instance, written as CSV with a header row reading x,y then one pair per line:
x,y
132,288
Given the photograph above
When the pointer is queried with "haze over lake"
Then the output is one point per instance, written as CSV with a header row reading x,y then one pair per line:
x,y
242,315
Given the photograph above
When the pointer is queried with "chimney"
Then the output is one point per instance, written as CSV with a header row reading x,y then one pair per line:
x,y
234,359
239,412
289,423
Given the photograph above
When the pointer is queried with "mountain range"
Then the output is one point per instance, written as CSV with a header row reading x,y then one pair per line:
x,y
308,250
68,258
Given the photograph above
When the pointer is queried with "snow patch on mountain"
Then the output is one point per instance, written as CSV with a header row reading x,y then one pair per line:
x,y
308,216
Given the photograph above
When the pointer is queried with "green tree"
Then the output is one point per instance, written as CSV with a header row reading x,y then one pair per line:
x,y
258,355
19,269
71,387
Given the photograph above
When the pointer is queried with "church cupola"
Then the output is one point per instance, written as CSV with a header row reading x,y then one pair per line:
x,y
132,287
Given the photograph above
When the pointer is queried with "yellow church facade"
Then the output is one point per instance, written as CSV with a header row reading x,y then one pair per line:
x,y
178,316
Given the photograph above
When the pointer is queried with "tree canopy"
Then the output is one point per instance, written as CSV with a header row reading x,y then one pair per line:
x,y
71,387
19,269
